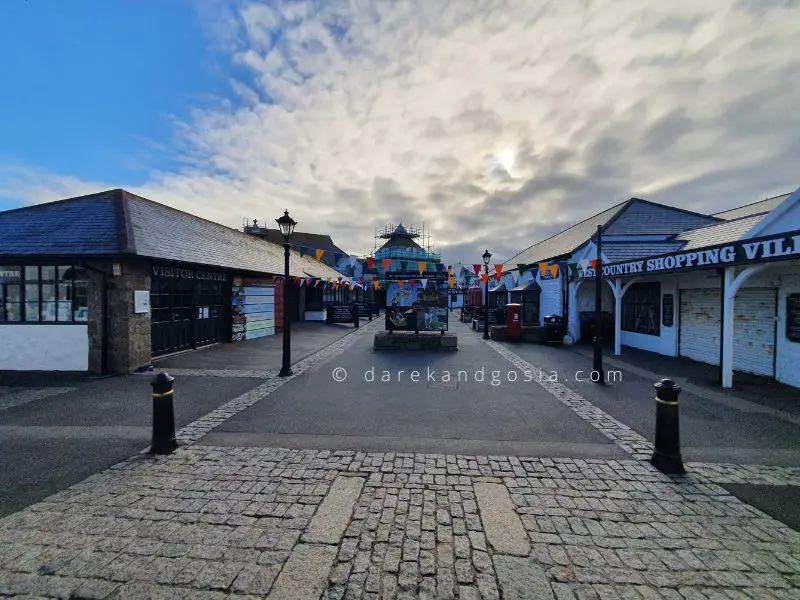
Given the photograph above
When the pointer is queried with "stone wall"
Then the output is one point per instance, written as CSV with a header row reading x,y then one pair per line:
x,y
129,342
408,340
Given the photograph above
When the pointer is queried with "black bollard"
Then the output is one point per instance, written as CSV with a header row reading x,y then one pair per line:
x,y
667,455
164,441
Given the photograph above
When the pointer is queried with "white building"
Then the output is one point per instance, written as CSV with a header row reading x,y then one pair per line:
x,y
685,284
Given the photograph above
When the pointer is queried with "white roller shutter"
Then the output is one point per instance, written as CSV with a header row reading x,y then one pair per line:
x,y
754,331
699,325
753,328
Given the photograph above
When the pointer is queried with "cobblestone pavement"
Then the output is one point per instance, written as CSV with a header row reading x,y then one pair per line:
x,y
213,522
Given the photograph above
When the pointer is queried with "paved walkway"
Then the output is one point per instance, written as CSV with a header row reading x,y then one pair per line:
x,y
232,522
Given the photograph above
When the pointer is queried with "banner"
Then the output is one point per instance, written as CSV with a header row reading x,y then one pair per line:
x,y
476,269
370,262
421,266
387,263
318,253
485,278
424,283
498,270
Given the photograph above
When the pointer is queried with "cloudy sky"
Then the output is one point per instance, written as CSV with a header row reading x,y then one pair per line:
x,y
497,123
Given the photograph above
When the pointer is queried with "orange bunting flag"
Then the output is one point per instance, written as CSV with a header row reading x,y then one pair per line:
x,y
387,264
485,278
451,281
498,269
421,266
376,284
542,269
401,283
318,253
553,271
593,263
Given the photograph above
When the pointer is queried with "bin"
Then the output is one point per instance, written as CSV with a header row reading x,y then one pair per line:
x,y
554,328
513,321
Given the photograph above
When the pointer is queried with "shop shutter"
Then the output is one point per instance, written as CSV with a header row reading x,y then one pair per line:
x,y
754,331
700,314
753,328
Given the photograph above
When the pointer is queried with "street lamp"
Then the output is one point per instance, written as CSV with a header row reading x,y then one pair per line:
x,y
486,258
287,225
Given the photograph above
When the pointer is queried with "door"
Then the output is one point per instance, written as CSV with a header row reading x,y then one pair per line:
x,y
171,302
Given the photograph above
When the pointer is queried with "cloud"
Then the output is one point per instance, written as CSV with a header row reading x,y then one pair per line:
x,y
356,114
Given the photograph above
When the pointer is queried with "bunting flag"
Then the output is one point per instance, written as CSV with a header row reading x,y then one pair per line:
x,y
421,266
353,259
401,283
317,282
403,265
318,253
522,267
411,282
467,279
476,269
498,269
451,281
387,264
439,267
593,263
302,250
308,281
424,283
376,284
370,262
553,271
485,278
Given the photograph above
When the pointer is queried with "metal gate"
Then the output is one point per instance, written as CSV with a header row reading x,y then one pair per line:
x,y
187,313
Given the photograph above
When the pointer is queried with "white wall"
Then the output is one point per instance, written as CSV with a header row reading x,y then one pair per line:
x,y
44,348
787,360
550,301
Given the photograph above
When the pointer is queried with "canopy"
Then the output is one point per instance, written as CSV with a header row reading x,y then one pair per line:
x,y
530,286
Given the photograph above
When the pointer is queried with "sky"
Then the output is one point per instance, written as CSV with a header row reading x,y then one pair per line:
x,y
496,123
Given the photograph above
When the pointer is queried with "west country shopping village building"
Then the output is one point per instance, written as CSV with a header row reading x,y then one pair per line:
x,y
102,283
720,288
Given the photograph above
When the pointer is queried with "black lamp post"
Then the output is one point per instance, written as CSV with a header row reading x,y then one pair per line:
x,y
287,225
486,258
598,310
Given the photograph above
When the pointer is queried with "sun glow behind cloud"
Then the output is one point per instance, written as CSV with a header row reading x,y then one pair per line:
x,y
492,125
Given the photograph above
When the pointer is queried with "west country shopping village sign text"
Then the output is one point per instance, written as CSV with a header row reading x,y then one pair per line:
x,y
784,246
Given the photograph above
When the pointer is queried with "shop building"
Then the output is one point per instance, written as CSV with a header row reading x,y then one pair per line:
x,y
723,289
105,282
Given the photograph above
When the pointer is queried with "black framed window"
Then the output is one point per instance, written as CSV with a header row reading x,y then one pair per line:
x,y
43,294
641,309
314,297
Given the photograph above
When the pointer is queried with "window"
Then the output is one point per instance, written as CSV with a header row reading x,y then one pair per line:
x,y
43,294
641,309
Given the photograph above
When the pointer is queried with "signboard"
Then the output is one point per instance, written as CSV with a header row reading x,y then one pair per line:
x,y
793,317
338,313
785,246
417,318
178,272
10,274
141,301
668,310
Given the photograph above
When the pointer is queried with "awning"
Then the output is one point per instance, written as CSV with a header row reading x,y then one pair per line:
x,y
531,286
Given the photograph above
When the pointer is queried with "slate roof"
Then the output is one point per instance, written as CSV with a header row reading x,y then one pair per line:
x,y
763,206
309,240
566,241
632,217
621,251
117,222
87,225
722,233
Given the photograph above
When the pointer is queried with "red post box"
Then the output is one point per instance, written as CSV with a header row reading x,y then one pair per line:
x,y
513,321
